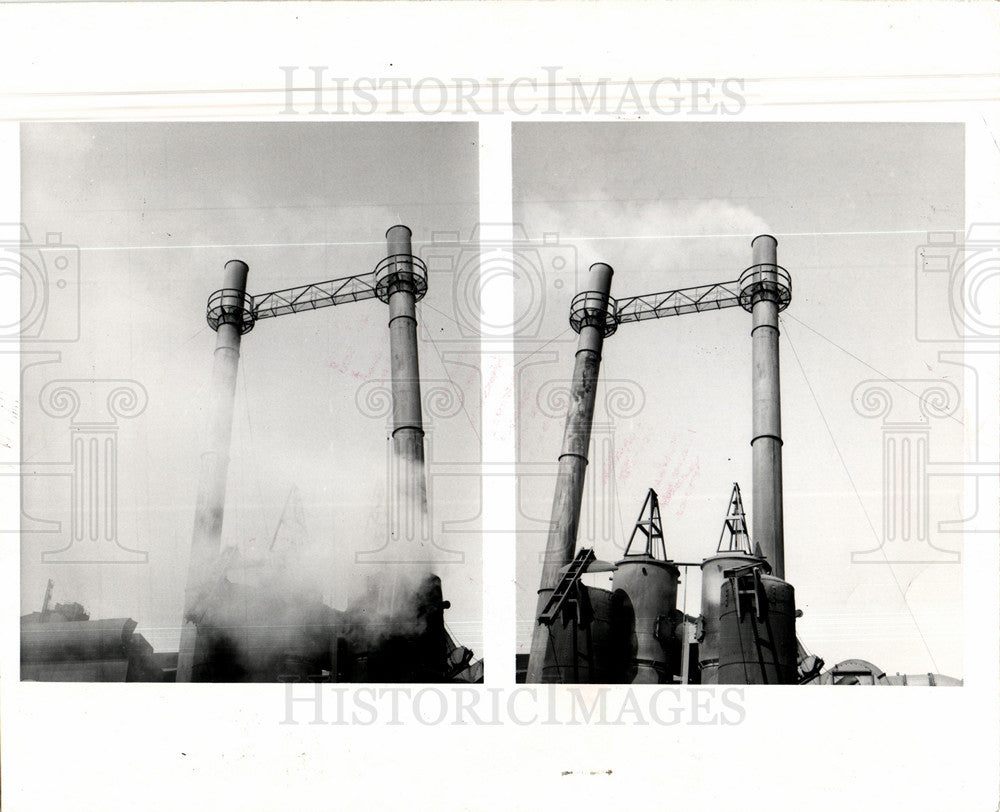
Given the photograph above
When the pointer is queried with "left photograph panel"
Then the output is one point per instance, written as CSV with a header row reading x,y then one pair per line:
x,y
250,388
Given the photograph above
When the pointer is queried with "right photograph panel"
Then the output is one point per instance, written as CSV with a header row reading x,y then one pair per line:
x,y
739,371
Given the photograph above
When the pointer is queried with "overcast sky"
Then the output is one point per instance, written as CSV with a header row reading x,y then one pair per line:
x,y
157,210
675,205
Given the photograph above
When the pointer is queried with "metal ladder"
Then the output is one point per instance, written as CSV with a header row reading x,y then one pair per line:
x,y
566,586
748,585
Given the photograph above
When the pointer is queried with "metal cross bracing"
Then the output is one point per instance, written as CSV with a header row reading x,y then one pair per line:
x,y
764,280
678,302
648,531
735,524
316,295
227,304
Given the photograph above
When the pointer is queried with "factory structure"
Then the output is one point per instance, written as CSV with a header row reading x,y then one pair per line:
x,y
241,622
634,632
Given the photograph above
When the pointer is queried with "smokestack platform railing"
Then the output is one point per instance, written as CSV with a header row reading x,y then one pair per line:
x,y
756,282
237,307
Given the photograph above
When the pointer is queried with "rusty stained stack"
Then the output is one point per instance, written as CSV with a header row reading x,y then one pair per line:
x,y
751,628
594,324
234,318
408,523
768,513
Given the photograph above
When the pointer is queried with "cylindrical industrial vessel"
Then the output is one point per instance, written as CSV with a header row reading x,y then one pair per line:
x,y
397,637
594,655
757,644
650,586
711,595
593,319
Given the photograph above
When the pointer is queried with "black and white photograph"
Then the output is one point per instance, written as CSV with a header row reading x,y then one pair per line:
x,y
250,413
499,406
741,416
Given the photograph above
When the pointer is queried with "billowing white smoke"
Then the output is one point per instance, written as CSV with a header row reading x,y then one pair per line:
x,y
285,590
675,244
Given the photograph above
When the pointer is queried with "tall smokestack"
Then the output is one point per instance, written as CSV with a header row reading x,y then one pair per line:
x,y
768,518
591,318
230,315
409,514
